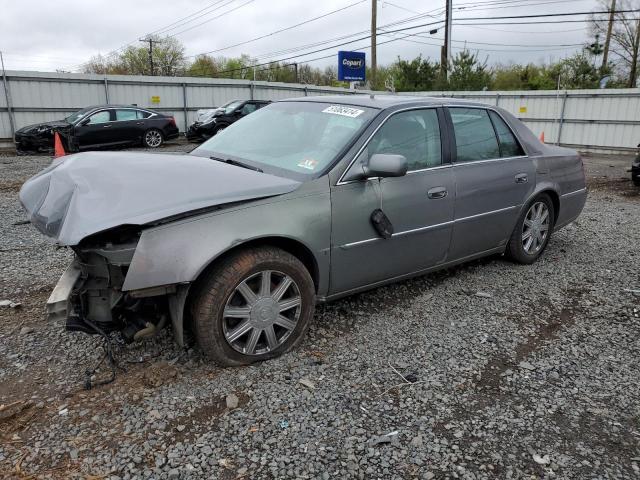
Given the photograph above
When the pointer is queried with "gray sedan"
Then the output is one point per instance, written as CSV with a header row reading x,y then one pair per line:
x,y
305,201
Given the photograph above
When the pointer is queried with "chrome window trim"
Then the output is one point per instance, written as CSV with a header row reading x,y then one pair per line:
x,y
347,246
366,143
492,109
106,109
460,164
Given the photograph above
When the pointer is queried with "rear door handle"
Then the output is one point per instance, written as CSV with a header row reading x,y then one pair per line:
x,y
106,126
437,192
522,178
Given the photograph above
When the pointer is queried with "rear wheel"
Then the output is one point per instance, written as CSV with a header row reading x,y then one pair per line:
x,y
253,306
152,138
533,231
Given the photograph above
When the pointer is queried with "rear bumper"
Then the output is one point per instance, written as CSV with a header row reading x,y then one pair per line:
x,y
635,172
171,133
571,205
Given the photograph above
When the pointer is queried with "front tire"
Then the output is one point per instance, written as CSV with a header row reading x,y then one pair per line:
x,y
152,138
254,305
531,235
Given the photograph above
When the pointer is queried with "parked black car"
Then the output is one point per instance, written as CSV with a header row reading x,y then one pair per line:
x,y
222,118
635,169
99,126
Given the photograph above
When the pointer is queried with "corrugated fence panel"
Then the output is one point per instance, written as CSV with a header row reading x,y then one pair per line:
x,y
606,119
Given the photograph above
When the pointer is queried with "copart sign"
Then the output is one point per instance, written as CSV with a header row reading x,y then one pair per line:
x,y
351,66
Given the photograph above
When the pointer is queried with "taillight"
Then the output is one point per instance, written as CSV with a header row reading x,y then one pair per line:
x,y
172,120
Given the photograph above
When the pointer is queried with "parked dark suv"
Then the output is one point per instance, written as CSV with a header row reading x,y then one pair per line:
x,y
100,126
222,118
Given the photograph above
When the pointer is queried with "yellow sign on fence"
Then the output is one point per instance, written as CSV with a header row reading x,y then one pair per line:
x,y
523,109
155,99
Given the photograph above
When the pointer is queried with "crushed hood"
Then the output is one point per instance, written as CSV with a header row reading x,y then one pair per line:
x,y
44,126
86,193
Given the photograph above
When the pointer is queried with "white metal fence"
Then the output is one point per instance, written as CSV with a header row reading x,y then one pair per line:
x,y
586,119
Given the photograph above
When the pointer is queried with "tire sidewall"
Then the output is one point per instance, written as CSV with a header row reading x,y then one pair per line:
x,y
209,324
520,254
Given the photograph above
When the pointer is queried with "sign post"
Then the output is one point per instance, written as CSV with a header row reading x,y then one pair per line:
x,y
351,66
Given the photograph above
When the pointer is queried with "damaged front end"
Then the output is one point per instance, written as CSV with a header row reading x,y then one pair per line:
x,y
90,297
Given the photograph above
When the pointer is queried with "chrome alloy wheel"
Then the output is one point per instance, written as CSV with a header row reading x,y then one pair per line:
x,y
535,228
261,312
153,138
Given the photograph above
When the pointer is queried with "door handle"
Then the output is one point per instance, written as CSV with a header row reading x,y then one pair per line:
x,y
139,123
106,126
437,192
521,178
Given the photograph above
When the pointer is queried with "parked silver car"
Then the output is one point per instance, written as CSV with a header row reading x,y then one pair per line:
x,y
306,200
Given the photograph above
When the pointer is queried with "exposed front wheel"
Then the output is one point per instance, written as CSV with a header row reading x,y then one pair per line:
x,y
533,231
255,305
152,138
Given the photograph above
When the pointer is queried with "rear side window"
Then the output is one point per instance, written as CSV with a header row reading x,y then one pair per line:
x,y
475,137
141,114
509,146
124,115
415,134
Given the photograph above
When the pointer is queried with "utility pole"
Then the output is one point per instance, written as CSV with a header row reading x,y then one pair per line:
x,y
607,42
446,49
374,28
295,65
150,41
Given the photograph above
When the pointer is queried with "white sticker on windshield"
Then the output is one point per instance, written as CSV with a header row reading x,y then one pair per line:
x,y
344,111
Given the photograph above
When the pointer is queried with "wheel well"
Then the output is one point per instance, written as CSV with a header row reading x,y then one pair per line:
x,y
295,248
555,199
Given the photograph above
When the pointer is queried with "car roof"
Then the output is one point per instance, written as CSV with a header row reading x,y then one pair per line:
x,y
382,101
111,105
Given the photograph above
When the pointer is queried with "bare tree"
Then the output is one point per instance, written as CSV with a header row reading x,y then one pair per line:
x,y
625,36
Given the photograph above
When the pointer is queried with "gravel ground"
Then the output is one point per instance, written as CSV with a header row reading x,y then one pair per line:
x,y
488,370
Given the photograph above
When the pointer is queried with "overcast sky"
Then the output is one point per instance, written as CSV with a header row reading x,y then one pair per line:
x,y
47,35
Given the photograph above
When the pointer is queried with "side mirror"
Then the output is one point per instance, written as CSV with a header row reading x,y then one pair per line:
x,y
385,165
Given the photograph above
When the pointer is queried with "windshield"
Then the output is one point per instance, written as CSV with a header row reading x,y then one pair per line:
x,y
230,107
302,138
74,117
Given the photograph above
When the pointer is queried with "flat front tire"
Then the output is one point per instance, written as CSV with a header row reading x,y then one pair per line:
x,y
254,305
531,235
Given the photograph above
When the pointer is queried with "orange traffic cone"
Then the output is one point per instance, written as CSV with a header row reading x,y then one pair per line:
x,y
58,149
542,137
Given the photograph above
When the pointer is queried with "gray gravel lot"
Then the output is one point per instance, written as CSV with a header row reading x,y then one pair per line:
x,y
489,370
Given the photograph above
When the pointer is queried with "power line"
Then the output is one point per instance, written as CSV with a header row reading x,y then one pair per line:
x,y
214,18
291,27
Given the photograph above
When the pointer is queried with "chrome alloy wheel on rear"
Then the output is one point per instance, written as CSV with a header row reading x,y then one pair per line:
x,y
535,228
153,138
261,312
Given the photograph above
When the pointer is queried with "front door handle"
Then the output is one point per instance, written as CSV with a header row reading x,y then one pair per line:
x,y
437,192
522,178
106,126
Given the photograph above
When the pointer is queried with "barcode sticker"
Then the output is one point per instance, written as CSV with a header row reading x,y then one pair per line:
x,y
344,111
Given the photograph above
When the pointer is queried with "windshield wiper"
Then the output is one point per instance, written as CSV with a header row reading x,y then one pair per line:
x,y
237,163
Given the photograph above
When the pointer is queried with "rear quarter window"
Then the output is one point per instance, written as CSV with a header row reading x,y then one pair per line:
x,y
509,146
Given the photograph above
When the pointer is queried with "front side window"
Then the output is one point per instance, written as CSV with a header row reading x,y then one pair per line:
x,y
291,139
414,134
509,146
475,137
248,108
229,108
100,117
125,115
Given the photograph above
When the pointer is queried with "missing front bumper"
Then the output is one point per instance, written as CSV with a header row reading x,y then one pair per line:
x,y
59,304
